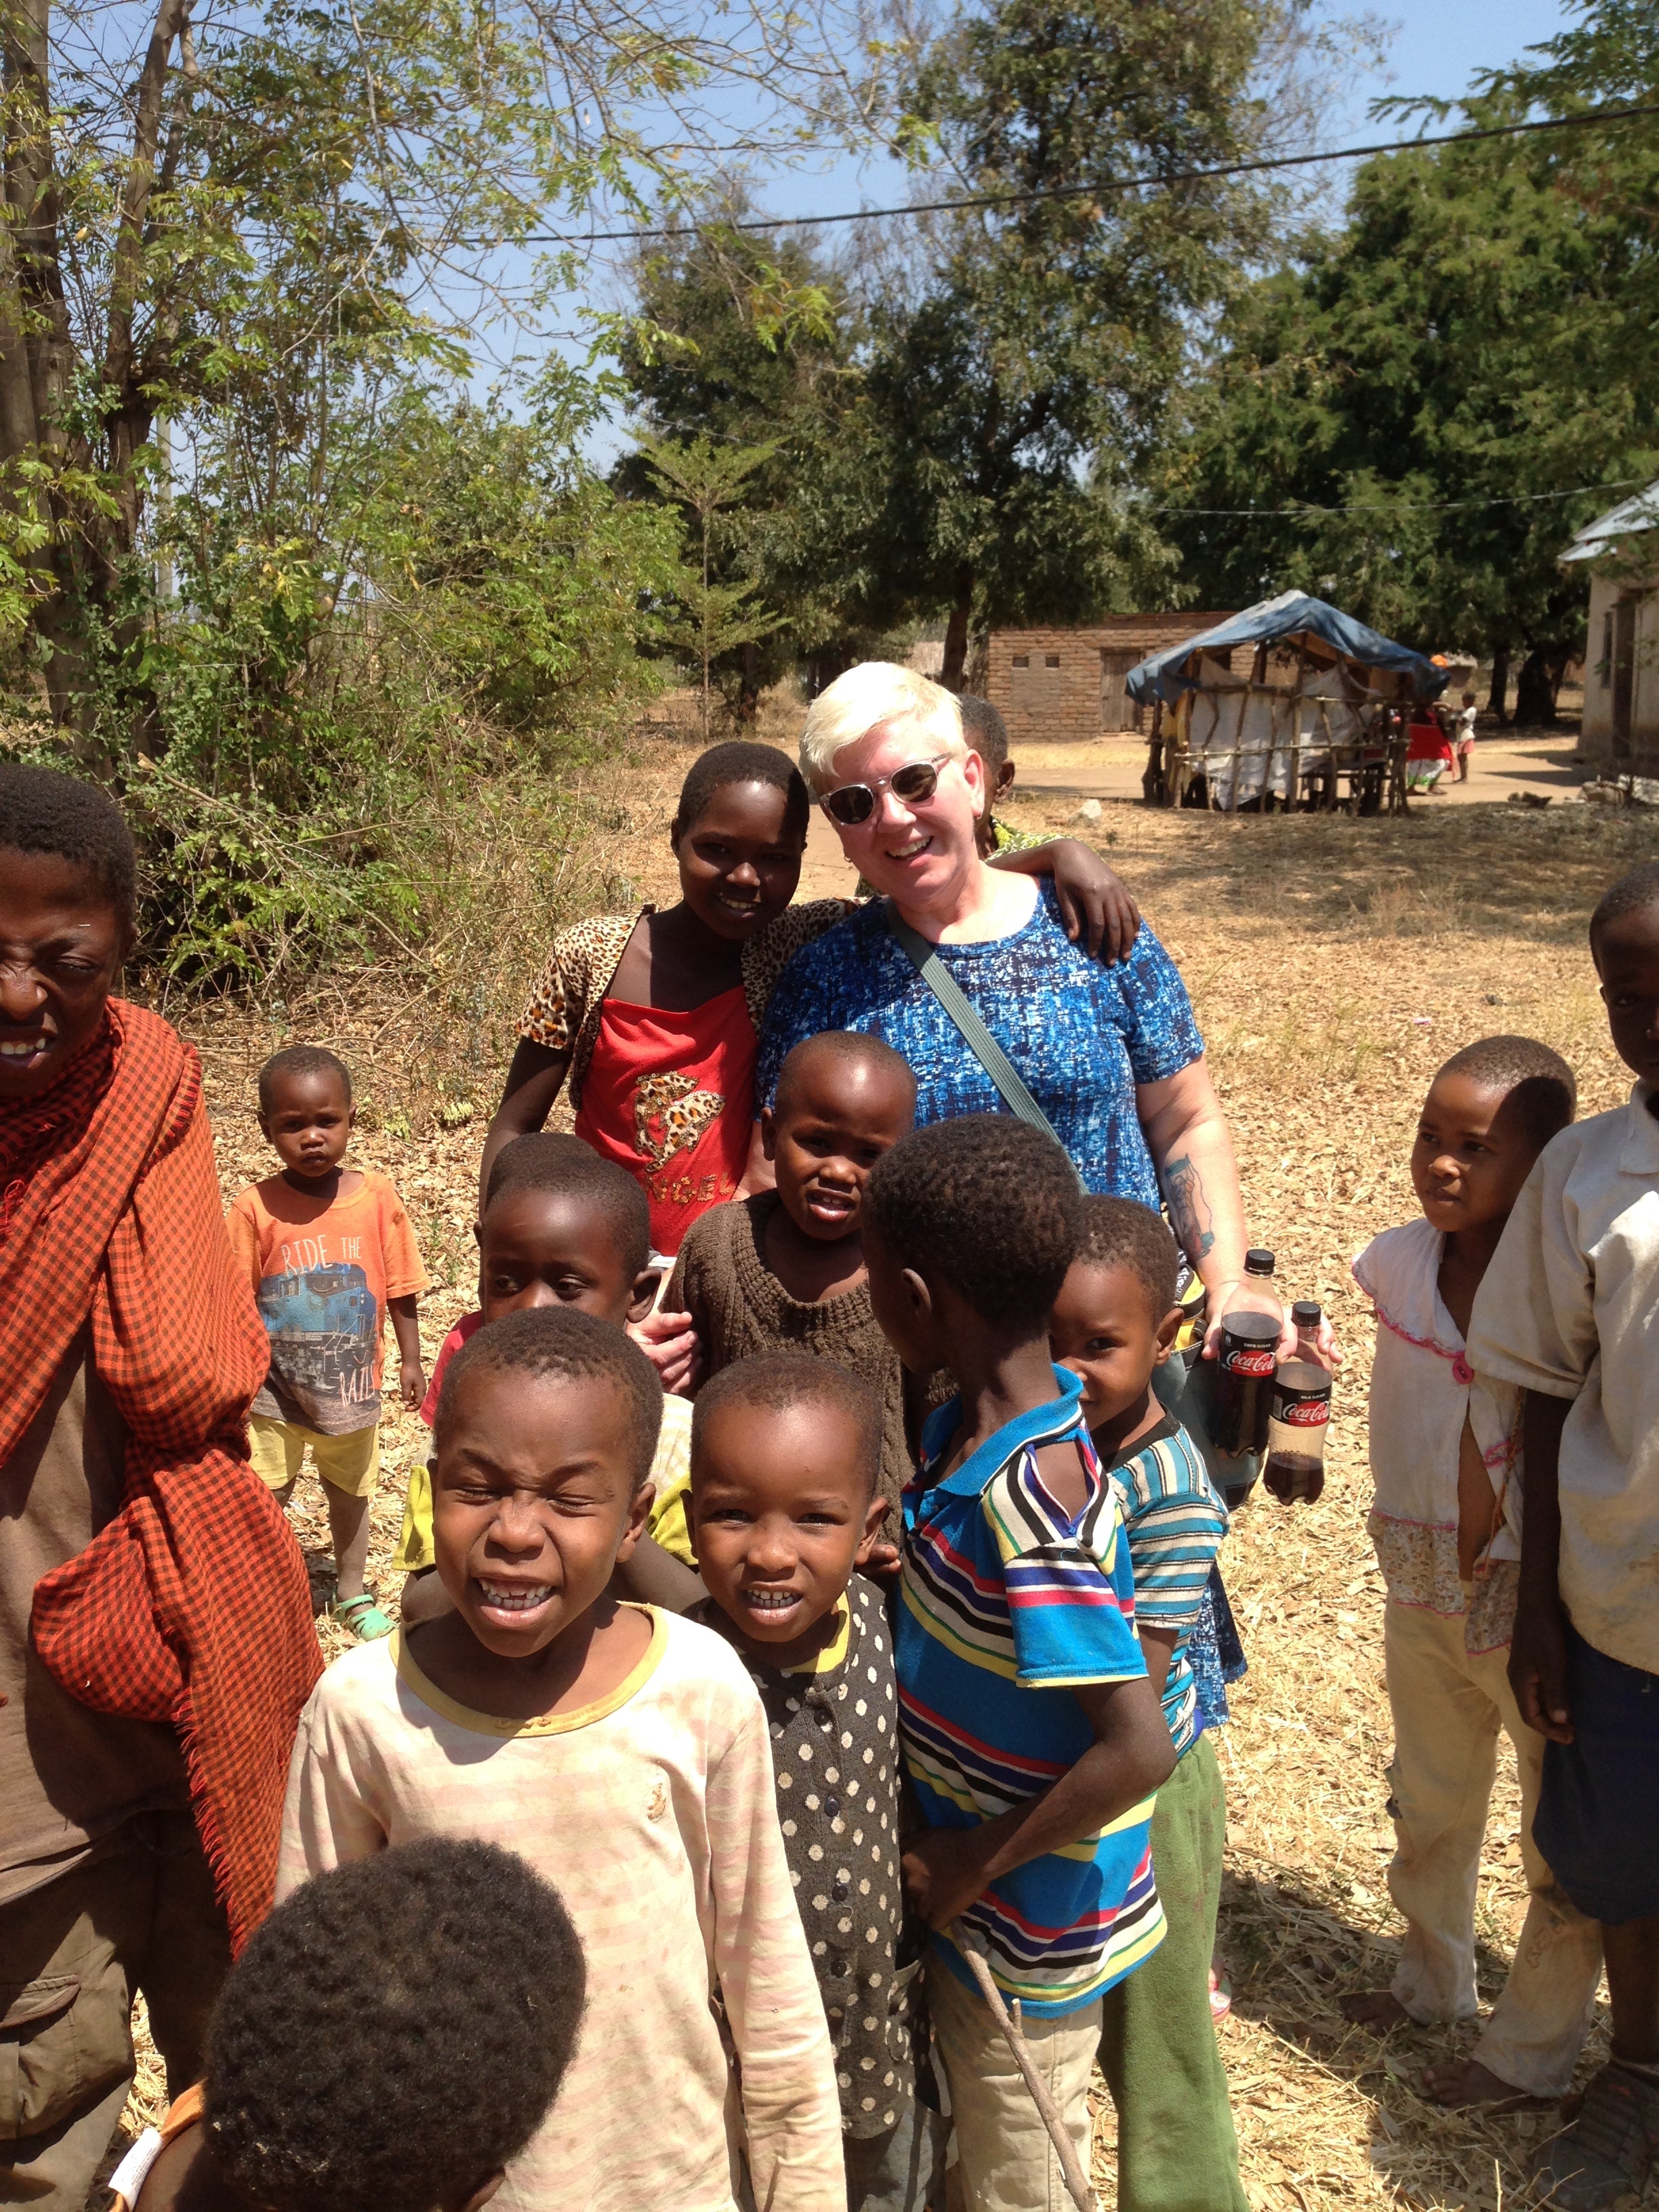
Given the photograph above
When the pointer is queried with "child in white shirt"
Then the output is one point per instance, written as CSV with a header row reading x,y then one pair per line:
x,y
624,1753
1446,1524
1570,1316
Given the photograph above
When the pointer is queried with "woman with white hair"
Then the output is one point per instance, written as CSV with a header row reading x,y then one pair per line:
x,y
1112,1056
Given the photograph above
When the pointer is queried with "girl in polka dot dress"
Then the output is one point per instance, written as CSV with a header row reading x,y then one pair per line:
x,y
784,1453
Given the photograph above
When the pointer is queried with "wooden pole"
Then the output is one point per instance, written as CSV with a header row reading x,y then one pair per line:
x,y
1077,2182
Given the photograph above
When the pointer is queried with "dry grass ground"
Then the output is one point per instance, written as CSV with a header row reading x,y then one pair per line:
x,y
1334,964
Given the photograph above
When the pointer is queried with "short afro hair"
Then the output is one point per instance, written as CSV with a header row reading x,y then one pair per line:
x,y
565,1165
849,1048
1639,889
743,762
987,1205
394,2032
1540,1085
44,810
301,1060
985,730
780,1380
562,1344
1120,1232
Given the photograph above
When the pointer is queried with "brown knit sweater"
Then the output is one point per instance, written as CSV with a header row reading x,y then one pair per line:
x,y
739,1307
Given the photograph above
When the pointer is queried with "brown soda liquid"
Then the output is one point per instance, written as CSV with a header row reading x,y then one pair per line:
x,y
1244,1381
1294,1477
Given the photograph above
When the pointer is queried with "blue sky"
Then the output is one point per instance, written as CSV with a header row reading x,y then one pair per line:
x,y
1432,47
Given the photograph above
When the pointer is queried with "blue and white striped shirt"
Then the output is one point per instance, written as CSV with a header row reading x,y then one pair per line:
x,y
1175,1523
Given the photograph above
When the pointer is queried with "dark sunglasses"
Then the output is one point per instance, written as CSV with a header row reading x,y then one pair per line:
x,y
914,783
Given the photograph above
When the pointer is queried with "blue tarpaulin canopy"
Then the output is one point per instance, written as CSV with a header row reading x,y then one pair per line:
x,y
1291,616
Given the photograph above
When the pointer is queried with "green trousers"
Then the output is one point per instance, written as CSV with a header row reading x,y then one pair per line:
x,y
1176,2151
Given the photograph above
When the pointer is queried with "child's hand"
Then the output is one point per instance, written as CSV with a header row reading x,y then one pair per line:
x,y
411,1385
944,1873
670,1343
884,1565
1538,1669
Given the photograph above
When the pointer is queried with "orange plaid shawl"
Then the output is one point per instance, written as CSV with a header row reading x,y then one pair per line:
x,y
191,1605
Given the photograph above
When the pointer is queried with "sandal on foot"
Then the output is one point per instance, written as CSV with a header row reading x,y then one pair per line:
x,y
1608,2149
1221,1994
363,1618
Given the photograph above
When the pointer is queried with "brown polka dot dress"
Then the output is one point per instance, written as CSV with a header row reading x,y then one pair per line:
x,y
835,1752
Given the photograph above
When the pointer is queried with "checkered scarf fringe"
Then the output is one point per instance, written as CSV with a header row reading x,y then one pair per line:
x,y
192,1605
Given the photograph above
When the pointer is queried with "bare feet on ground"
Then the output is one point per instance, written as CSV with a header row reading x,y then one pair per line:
x,y
1465,2081
1378,2008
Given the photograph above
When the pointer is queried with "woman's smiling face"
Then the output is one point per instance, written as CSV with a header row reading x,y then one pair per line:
x,y
917,854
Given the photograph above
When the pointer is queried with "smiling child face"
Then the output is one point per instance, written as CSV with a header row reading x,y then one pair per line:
x,y
1105,1329
739,865
834,1118
782,1512
534,1499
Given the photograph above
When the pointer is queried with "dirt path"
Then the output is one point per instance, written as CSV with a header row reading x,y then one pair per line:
x,y
1539,762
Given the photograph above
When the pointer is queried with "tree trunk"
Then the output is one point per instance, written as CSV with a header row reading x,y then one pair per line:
x,y
749,686
1500,682
1538,686
956,632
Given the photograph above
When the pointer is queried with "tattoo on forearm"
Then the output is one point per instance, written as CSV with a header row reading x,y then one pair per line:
x,y
1189,1209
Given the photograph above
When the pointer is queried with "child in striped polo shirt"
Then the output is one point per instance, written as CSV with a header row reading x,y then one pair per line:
x,y
1032,1737
1114,1321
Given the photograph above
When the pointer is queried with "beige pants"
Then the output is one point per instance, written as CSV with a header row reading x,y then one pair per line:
x,y
1008,2163
1447,1707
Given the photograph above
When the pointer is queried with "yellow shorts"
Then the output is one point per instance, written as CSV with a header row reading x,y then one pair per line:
x,y
351,1463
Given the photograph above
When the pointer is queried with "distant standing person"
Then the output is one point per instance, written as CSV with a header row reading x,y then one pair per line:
x,y
150,1595
1463,739
330,1255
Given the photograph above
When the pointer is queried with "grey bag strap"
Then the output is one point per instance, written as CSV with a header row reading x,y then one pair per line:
x,y
924,957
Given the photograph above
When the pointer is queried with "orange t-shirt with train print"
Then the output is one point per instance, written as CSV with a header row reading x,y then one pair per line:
x,y
670,1095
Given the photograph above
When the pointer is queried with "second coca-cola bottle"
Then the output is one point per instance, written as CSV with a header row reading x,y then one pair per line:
x,y
1250,1324
1295,1472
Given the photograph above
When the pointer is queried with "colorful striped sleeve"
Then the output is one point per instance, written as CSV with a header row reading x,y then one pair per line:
x,y
1070,1586
1174,1525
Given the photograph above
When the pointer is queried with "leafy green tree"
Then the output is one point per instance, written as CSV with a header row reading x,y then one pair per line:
x,y
1448,370
246,220
706,479
1021,377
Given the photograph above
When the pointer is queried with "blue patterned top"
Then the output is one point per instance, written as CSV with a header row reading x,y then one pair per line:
x,y
1082,1035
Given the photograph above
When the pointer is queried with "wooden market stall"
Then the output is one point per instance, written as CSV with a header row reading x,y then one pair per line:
x,y
1291,704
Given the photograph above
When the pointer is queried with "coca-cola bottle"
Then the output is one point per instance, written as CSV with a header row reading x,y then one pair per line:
x,y
1251,1321
1300,1417
1307,1314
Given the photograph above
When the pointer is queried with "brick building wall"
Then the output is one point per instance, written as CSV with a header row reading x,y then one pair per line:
x,y
1051,684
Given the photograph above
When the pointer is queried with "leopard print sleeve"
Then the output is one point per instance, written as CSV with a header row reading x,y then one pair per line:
x,y
564,1010
770,950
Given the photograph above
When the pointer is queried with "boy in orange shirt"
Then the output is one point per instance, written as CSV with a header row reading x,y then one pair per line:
x,y
331,1252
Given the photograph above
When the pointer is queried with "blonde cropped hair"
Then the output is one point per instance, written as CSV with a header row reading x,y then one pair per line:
x,y
877,691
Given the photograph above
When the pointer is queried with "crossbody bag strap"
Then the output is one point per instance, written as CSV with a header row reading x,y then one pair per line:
x,y
924,957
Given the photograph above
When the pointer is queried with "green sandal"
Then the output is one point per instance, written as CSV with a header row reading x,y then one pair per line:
x,y
363,1618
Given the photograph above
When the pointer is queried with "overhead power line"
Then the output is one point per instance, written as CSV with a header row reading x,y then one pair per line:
x,y
1400,505
1104,188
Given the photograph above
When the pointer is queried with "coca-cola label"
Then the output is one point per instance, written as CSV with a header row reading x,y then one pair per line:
x,y
1304,1412
1249,1359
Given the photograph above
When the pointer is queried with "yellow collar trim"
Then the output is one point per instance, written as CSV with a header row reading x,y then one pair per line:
x,y
566,1723
834,1652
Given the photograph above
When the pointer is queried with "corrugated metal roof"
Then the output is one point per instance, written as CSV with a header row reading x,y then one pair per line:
x,y
1629,518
